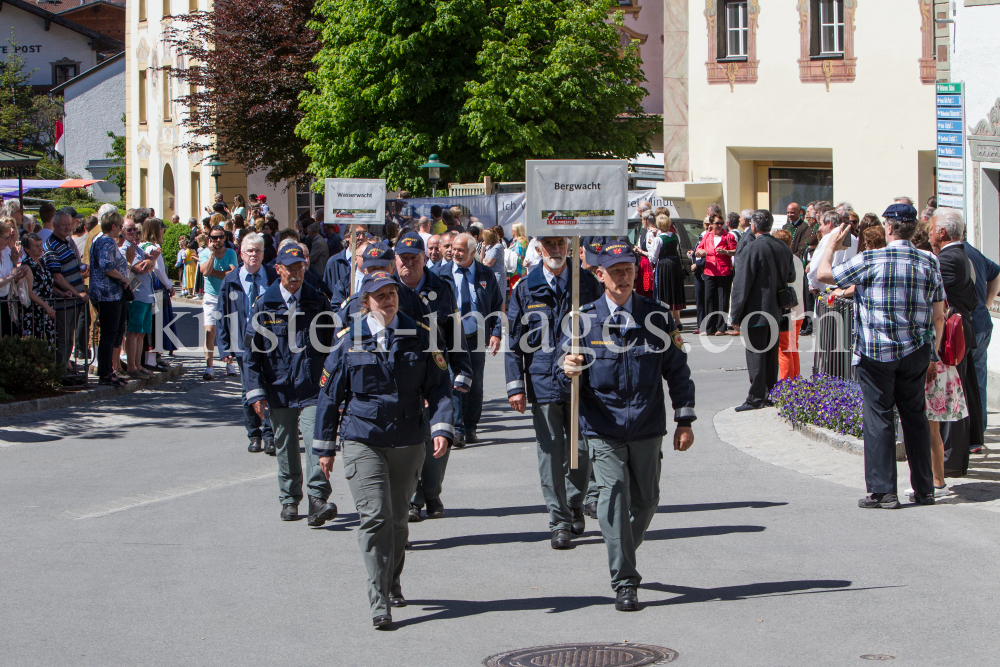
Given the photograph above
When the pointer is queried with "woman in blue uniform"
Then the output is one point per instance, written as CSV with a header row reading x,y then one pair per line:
x,y
381,372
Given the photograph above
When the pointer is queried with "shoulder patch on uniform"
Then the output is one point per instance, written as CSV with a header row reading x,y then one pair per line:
x,y
678,341
325,378
537,305
439,360
340,334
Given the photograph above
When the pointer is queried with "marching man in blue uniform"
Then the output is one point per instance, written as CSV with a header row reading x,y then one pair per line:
x,y
282,366
629,345
380,373
537,309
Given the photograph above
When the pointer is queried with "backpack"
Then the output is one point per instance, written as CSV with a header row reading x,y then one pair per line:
x,y
510,259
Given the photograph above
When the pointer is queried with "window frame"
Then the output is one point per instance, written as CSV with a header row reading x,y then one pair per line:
x,y
743,32
723,69
143,112
63,64
838,25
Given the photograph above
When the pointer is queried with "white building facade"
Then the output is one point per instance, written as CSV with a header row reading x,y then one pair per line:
x,y
54,49
93,104
773,102
161,174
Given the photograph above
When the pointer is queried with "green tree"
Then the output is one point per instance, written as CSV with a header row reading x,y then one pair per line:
x,y
15,98
117,174
485,84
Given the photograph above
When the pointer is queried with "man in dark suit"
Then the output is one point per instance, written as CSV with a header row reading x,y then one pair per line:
x,y
480,303
237,294
765,266
798,228
946,232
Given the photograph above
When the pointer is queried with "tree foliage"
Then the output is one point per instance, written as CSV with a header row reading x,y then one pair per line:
x,y
16,99
117,174
485,84
246,66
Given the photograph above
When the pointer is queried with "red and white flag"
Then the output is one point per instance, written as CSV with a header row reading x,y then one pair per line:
x,y
60,139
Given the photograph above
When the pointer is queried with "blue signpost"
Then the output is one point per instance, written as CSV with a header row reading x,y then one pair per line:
x,y
951,146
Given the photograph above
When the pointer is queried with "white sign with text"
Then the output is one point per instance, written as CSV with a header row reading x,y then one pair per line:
x,y
576,197
354,200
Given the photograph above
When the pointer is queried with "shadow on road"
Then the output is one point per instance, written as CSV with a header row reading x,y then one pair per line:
x,y
447,609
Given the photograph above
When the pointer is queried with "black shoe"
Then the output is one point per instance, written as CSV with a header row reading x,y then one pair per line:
x,y
435,508
922,498
269,448
397,600
152,369
207,376
414,515
768,403
886,501
320,511
111,381
627,599
590,509
806,332
748,406
471,438
290,512
382,622
578,524
459,441
254,447
561,539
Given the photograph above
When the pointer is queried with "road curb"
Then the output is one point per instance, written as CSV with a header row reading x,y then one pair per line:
x,y
98,392
844,443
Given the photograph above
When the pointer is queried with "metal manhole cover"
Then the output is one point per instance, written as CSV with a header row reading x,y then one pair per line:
x,y
584,655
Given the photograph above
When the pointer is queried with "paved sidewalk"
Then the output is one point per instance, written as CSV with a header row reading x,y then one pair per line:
x,y
766,436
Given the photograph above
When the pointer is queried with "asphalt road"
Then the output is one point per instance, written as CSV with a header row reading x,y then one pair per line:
x,y
140,532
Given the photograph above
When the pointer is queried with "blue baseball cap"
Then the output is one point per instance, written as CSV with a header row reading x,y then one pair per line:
x,y
290,254
615,252
901,212
592,247
375,281
409,243
377,255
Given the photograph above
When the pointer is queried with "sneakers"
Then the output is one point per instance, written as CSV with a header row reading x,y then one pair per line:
x,y
230,370
942,491
886,501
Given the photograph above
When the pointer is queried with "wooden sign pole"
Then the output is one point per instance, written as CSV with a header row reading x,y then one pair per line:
x,y
354,252
574,409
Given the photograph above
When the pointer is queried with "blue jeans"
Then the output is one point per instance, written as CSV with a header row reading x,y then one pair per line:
x,y
979,362
469,405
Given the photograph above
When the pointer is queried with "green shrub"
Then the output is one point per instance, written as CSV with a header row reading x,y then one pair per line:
x,y
28,364
171,247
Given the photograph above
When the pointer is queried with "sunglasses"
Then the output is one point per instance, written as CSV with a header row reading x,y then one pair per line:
x,y
216,238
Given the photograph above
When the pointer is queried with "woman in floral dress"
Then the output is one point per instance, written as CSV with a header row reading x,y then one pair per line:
x,y
945,403
38,319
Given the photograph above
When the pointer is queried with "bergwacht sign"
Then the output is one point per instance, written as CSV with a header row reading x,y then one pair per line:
x,y
576,197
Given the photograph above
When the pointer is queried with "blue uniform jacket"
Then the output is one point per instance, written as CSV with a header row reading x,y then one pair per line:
x,y
232,299
336,268
272,370
621,392
383,393
417,306
487,294
536,372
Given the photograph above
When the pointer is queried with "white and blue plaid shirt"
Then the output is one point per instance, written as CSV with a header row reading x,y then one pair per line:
x,y
896,286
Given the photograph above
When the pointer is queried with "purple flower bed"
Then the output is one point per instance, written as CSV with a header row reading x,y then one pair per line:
x,y
822,400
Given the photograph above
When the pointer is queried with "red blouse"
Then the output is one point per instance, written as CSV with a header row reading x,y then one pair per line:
x,y
716,264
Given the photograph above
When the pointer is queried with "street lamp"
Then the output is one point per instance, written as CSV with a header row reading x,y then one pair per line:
x,y
433,168
216,172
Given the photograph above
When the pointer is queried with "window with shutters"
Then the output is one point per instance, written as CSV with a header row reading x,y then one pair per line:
x,y
826,29
732,41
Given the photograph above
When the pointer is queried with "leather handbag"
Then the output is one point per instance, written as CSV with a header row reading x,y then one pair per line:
x,y
952,348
